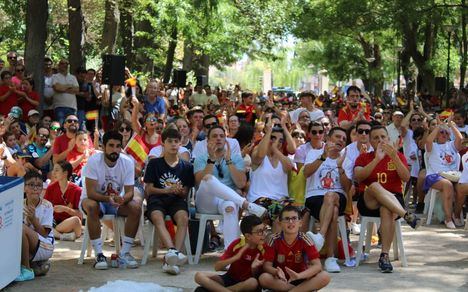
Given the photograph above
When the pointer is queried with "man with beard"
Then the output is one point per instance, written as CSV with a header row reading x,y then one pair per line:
x,y
326,188
64,143
354,110
108,189
41,153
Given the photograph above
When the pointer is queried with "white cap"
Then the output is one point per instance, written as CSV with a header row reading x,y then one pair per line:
x,y
33,112
398,113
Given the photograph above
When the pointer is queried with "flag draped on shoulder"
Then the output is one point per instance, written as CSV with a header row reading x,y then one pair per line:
x,y
137,149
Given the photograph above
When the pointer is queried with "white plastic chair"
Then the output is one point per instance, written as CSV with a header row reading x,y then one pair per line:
x,y
118,224
398,248
342,230
201,231
152,241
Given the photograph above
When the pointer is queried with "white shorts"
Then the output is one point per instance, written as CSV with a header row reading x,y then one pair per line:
x,y
45,248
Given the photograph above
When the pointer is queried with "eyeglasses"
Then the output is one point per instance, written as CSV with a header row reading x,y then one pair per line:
x,y
19,70
209,126
377,117
12,58
260,232
416,120
220,170
151,120
315,132
444,132
290,219
34,186
124,129
70,121
326,124
363,131
274,138
44,136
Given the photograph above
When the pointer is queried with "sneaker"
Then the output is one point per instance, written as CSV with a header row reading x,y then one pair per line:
x,y
171,257
419,208
385,265
182,259
101,262
127,261
25,275
317,238
331,265
172,270
450,225
355,228
458,222
71,236
40,268
256,210
412,220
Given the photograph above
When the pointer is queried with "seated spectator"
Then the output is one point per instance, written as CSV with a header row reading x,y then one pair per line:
x,y
241,259
32,123
38,236
147,131
20,134
185,133
442,156
270,165
233,125
462,190
218,175
21,164
19,76
354,109
11,142
109,189
383,172
65,197
326,189
41,153
316,136
291,262
168,180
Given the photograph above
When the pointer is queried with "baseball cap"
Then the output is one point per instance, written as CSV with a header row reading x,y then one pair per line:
x,y
23,154
32,112
16,112
398,113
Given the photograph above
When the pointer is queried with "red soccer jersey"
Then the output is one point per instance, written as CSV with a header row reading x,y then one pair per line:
x,y
74,154
347,114
61,143
71,198
9,102
247,112
241,269
295,256
385,172
26,106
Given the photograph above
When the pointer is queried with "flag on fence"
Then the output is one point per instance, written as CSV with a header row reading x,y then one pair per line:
x,y
137,149
92,115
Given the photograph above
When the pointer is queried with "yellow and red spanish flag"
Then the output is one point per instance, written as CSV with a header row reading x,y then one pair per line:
x,y
92,115
137,149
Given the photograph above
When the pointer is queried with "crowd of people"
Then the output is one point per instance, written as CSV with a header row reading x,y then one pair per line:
x,y
271,162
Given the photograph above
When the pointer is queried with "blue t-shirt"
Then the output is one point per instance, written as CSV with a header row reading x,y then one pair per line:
x,y
159,106
220,169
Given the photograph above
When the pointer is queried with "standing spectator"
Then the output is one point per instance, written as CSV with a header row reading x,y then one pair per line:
x,y
247,110
198,98
82,97
108,189
19,76
65,88
394,129
8,96
307,102
12,58
211,98
154,100
48,89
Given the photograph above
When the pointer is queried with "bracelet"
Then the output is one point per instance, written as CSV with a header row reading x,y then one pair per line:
x,y
228,162
209,161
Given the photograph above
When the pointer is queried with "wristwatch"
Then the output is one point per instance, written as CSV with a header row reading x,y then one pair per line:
x,y
321,158
228,162
209,161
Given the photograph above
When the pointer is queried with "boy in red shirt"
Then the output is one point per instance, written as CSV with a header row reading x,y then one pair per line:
x,y
291,261
244,257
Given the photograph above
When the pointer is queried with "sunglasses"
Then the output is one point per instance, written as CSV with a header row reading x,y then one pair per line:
x,y
378,117
152,120
12,58
315,132
124,129
326,124
44,136
416,120
19,70
363,131
290,219
54,128
220,171
209,126
444,132
71,121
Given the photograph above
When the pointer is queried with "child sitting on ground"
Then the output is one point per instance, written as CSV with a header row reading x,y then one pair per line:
x,y
244,257
38,238
291,261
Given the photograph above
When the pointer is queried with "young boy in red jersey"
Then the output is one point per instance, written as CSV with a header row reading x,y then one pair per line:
x,y
291,261
244,257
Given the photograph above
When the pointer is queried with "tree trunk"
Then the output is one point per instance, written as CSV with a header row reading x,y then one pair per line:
x,y
202,65
463,47
170,54
188,56
111,24
77,35
127,31
37,14
143,40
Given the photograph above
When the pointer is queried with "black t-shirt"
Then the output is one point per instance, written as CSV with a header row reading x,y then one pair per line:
x,y
162,176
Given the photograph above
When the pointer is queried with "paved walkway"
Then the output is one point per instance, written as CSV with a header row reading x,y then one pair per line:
x,y
437,257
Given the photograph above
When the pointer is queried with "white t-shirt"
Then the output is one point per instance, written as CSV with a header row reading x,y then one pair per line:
x,y
64,99
261,182
352,153
393,133
301,152
201,147
45,214
325,179
315,115
464,129
110,180
410,148
48,90
464,175
443,157
157,151
7,154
